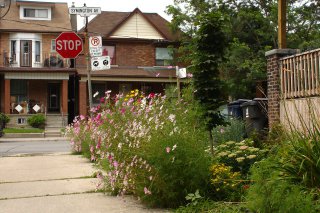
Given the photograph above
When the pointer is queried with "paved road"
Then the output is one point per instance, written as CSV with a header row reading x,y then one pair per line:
x,y
33,147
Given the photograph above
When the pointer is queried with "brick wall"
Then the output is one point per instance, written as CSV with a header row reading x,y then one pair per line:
x,y
83,97
273,91
135,54
46,42
4,46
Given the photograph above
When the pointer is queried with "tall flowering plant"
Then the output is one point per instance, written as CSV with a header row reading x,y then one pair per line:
x,y
148,145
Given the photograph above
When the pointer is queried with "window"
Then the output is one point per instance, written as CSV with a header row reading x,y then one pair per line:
x,y
21,121
124,88
13,53
110,51
53,45
98,92
19,91
164,56
37,51
35,13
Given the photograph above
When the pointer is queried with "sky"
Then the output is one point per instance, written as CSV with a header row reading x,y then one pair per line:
x,y
148,6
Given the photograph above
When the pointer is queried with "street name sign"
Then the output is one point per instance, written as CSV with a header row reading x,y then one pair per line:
x,y
100,63
84,11
69,45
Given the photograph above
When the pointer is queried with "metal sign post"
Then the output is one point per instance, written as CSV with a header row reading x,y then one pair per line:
x,y
86,12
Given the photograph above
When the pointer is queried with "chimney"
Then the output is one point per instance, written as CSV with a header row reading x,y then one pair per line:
x,y
73,19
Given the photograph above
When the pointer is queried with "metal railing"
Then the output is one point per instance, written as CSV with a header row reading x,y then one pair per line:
x,y
45,59
299,75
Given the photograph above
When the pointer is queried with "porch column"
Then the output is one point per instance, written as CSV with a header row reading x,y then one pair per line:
x,y
7,96
83,97
273,91
65,97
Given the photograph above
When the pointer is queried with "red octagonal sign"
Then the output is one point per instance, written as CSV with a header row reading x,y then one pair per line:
x,y
69,45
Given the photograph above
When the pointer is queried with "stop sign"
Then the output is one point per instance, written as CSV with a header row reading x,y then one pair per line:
x,y
69,45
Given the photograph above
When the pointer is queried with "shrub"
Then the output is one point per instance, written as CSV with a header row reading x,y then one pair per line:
x,y
234,131
4,119
239,155
37,121
226,184
299,162
271,193
149,146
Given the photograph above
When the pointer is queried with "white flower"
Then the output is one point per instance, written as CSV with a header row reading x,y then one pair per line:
x,y
172,117
174,147
95,94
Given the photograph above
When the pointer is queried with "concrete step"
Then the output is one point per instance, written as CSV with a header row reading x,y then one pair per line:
x,y
52,134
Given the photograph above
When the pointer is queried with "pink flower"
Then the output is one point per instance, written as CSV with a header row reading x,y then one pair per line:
x,y
146,191
115,164
82,117
222,130
189,75
157,75
168,149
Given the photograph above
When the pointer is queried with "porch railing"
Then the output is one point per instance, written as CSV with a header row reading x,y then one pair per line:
x,y
45,59
299,75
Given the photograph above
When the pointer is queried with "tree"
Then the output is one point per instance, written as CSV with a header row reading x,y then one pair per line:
x,y
251,29
210,44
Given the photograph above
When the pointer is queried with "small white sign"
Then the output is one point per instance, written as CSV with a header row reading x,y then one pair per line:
x,y
182,73
19,108
95,46
36,108
84,11
247,112
100,63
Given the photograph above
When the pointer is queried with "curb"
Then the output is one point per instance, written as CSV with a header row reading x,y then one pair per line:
x,y
33,139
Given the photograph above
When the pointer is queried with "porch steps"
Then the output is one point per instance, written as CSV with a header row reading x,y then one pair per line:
x,y
54,124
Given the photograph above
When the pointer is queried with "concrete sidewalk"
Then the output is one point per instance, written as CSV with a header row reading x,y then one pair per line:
x,y
56,183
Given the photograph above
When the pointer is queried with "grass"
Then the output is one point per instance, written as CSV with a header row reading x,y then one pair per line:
x,y
23,130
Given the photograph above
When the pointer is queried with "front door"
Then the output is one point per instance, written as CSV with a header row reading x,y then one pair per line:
x,y
54,97
25,53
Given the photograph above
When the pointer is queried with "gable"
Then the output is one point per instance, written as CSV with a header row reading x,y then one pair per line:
x,y
137,27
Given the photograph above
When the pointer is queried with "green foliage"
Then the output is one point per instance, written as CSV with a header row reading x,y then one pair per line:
x,y
239,155
194,198
300,159
270,193
251,29
210,43
210,206
152,147
22,130
233,131
37,121
181,165
226,184
4,119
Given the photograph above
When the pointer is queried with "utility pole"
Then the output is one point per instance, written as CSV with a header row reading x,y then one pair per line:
x,y
282,8
87,55
178,83
86,12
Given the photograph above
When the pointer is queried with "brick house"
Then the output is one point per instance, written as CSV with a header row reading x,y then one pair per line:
x,y
141,48
33,78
